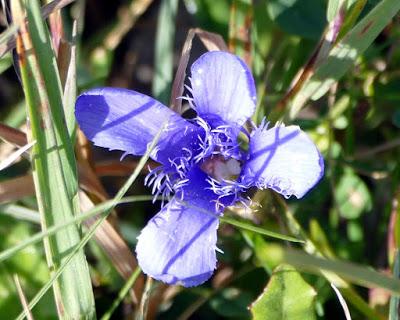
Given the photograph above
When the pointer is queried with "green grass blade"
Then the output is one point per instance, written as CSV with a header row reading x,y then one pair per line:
x,y
344,54
5,63
20,213
8,34
333,9
53,164
48,67
121,295
69,95
357,274
164,51
263,231
244,225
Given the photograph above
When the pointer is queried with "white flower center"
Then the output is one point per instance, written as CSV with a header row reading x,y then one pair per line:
x,y
221,169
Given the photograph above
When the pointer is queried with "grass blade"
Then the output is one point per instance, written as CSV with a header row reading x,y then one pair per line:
x,y
164,51
360,275
121,295
244,225
20,213
263,231
53,162
344,54
69,95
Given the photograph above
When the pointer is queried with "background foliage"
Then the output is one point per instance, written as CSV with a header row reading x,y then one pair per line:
x,y
330,66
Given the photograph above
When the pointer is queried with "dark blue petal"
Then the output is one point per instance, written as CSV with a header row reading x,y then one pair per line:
x,y
121,119
178,245
223,89
283,159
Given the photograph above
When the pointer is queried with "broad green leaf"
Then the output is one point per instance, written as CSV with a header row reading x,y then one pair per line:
x,y
164,51
305,18
286,297
352,195
344,54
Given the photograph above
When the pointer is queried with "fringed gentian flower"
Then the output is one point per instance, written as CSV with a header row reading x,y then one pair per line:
x,y
203,166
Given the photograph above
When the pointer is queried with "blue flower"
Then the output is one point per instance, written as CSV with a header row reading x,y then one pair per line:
x,y
202,161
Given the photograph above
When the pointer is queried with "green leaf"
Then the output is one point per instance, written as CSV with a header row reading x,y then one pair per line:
x,y
267,253
333,9
286,297
121,295
164,51
344,54
305,18
352,195
53,163
69,95
5,62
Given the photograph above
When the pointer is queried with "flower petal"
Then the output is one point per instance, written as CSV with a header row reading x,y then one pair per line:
x,y
223,88
178,244
283,159
121,119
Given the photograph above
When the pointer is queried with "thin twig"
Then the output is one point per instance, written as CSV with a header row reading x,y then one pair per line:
x,y
144,303
372,151
22,298
212,41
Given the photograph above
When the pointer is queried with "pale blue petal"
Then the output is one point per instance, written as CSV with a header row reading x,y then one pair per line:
x,y
223,88
178,245
121,119
283,159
